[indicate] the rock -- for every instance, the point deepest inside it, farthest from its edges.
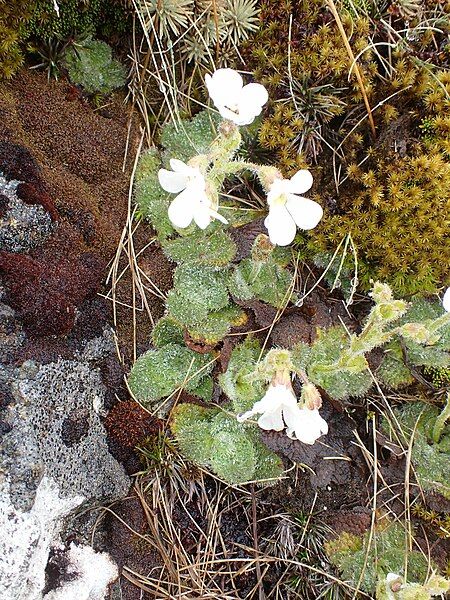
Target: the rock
(23, 225)
(55, 458)
(27, 537)
(89, 575)
(56, 428)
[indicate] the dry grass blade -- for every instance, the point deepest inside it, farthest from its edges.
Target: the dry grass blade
(359, 77)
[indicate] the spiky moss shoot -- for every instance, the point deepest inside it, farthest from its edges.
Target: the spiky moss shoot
(212, 247)
(158, 373)
(439, 521)
(14, 19)
(237, 382)
(357, 562)
(439, 376)
(93, 66)
(167, 331)
(327, 349)
(215, 440)
(397, 188)
(313, 74)
(429, 458)
(401, 203)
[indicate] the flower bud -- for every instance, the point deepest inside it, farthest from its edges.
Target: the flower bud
(262, 248)
(310, 397)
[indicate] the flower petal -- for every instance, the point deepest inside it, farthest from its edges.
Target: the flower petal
(278, 187)
(252, 98)
(301, 182)
(180, 167)
(172, 182)
(224, 87)
(181, 210)
(446, 300)
(305, 212)
(231, 115)
(202, 215)
(253, 95)
(307, 425)
(218, 216)
(280, 225)
(272, 420)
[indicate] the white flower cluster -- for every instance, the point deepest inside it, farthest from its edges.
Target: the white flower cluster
(280, 411)
(288, 209)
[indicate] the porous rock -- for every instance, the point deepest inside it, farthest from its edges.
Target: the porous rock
(55, 459)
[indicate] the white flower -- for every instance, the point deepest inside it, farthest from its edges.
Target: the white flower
(446, 300)
(193, 201)
(287, 209)
(277, 404)
(306, 426)
(279, 410)
(235, 101)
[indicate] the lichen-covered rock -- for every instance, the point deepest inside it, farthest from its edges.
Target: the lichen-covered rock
(56, 429)
(54, 458)
(23, 226)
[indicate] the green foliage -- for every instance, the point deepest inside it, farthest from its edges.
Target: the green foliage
(434, 586)
(217, 324)
(386, 554)
(197, 291)
(36, 26)
(237, 383)
(157, 373)
(182, 140)
(339, 382)
(215, 440)
(393, 371)
(106, 17)
(430, 458)
(212, 247)
(186, 138)
(262, 276)
(200, 302)
(167, 331)
(92, 66)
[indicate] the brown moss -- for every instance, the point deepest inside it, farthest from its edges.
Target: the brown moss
(80, 153)
(46, 294)
(129, 424)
